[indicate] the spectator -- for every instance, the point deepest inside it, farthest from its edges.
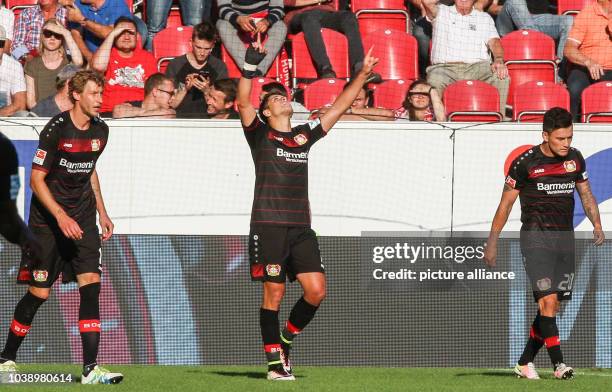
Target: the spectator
(7, 20)
(29, 25)
(125, 66)
(422, 103)
(195, 71)
(359, 109)
(300, 113)
(243, 20)
(310, 16)
(533, 15)
(220, 100)
(12, 83)
(42, 70)
(193, 12)
(589, 49)
(462, 38)
(91, 21)
(159, 92)
(60, 101)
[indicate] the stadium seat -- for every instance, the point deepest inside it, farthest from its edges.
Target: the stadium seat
(337, 50)
(397, 52)
(19, 5)
(597, 103)
(381, 14)
(391, 93)
(235, 73)
(472, 100)
(571, 7)
(529, 55)
(322, 92)
(169, 43)
(533, 98)
(257, 85)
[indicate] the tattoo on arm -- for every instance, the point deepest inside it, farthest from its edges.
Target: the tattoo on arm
(589, 203)
(508, 188)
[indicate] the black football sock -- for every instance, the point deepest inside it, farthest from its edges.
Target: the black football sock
(89, 324)
(301, 314)
(534, 343)
(22, 320)
(550, 334)
(270, 334)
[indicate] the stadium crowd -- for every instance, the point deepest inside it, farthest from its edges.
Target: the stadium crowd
(43, 43)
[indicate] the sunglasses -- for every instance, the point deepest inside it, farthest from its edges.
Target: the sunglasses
(418, 94)
(170, 93)
(49, 34)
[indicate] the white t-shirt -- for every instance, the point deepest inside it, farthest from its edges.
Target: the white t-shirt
(7, 20)
(461, 38)
(12, 79)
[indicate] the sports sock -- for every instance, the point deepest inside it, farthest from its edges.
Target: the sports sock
(550, 334)
(20, 326)
(89, 324)
(534, 343)
(268, 322)
(301, 314)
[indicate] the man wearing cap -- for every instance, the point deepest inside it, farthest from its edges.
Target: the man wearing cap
(60, 102)
(12, 83)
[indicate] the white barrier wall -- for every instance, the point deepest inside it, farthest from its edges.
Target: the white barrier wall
(196, 177)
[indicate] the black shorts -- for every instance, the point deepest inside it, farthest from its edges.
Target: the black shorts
(277, 252)
(550, 271)
(61, 255)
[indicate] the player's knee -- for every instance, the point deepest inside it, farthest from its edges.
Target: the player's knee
(315, 296)
(40, 293)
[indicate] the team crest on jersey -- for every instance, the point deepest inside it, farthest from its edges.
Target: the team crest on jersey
(511, 181)
(544, 284)
(300, 139)
(273, 269)
(95, 144)
(39, 157)
(570, 166)
(40, 275)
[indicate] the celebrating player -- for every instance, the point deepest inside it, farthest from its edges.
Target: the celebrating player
(545, 177)
(281, 242)
(66, 195)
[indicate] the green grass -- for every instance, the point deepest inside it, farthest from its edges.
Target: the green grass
(249, 378)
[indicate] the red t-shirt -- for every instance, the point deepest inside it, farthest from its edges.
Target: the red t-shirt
(125, 78)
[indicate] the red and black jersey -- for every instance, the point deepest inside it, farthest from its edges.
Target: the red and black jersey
(546, 187)
(9, 177)
(281, 172)
(68, 155)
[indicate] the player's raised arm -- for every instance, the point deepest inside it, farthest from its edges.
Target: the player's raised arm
(254, 55)
(346, 98)
(508, 198)
(591, 210)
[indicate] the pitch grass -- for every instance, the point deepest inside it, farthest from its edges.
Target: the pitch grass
(250, 378)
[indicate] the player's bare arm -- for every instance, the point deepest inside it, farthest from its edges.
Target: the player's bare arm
(69, 227)
(591, 210)
(504, 208)
(345, 100)
(255, 54)
(105, 221)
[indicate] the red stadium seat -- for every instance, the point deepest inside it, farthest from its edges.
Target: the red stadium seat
(337, 50)
(529, 55)
(533, 98)
(571, 7)
(391, 93)
(234, 72)
(397, 52)
(258, 84)
(322, 92)
(19, 5)
(171, 42)
(597, 103)
(381, 14)
(472, 100)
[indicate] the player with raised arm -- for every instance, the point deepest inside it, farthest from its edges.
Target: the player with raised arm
(544, 177)
(66, 196)
(281, 243)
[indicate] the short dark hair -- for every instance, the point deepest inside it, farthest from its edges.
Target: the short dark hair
(276, 87)
(556, 118)
(227, 87)
(155, 81)
(206, 31)
(265, 102)
(123, 19)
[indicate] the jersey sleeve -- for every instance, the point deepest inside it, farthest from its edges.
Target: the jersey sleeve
(9, 176)
(314, 130)
(582, 174)
(47, 148)
(250, 131)
(517, 175)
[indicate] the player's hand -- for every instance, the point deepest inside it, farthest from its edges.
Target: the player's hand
(30, 247)
(595, 69)
(69, 227)
(598, 237)
(499, 68)
(262, 26)
(369, 62)
(107, 227)
(490, 254)
(246, 23)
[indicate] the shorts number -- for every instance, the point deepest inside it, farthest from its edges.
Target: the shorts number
(566, 285)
